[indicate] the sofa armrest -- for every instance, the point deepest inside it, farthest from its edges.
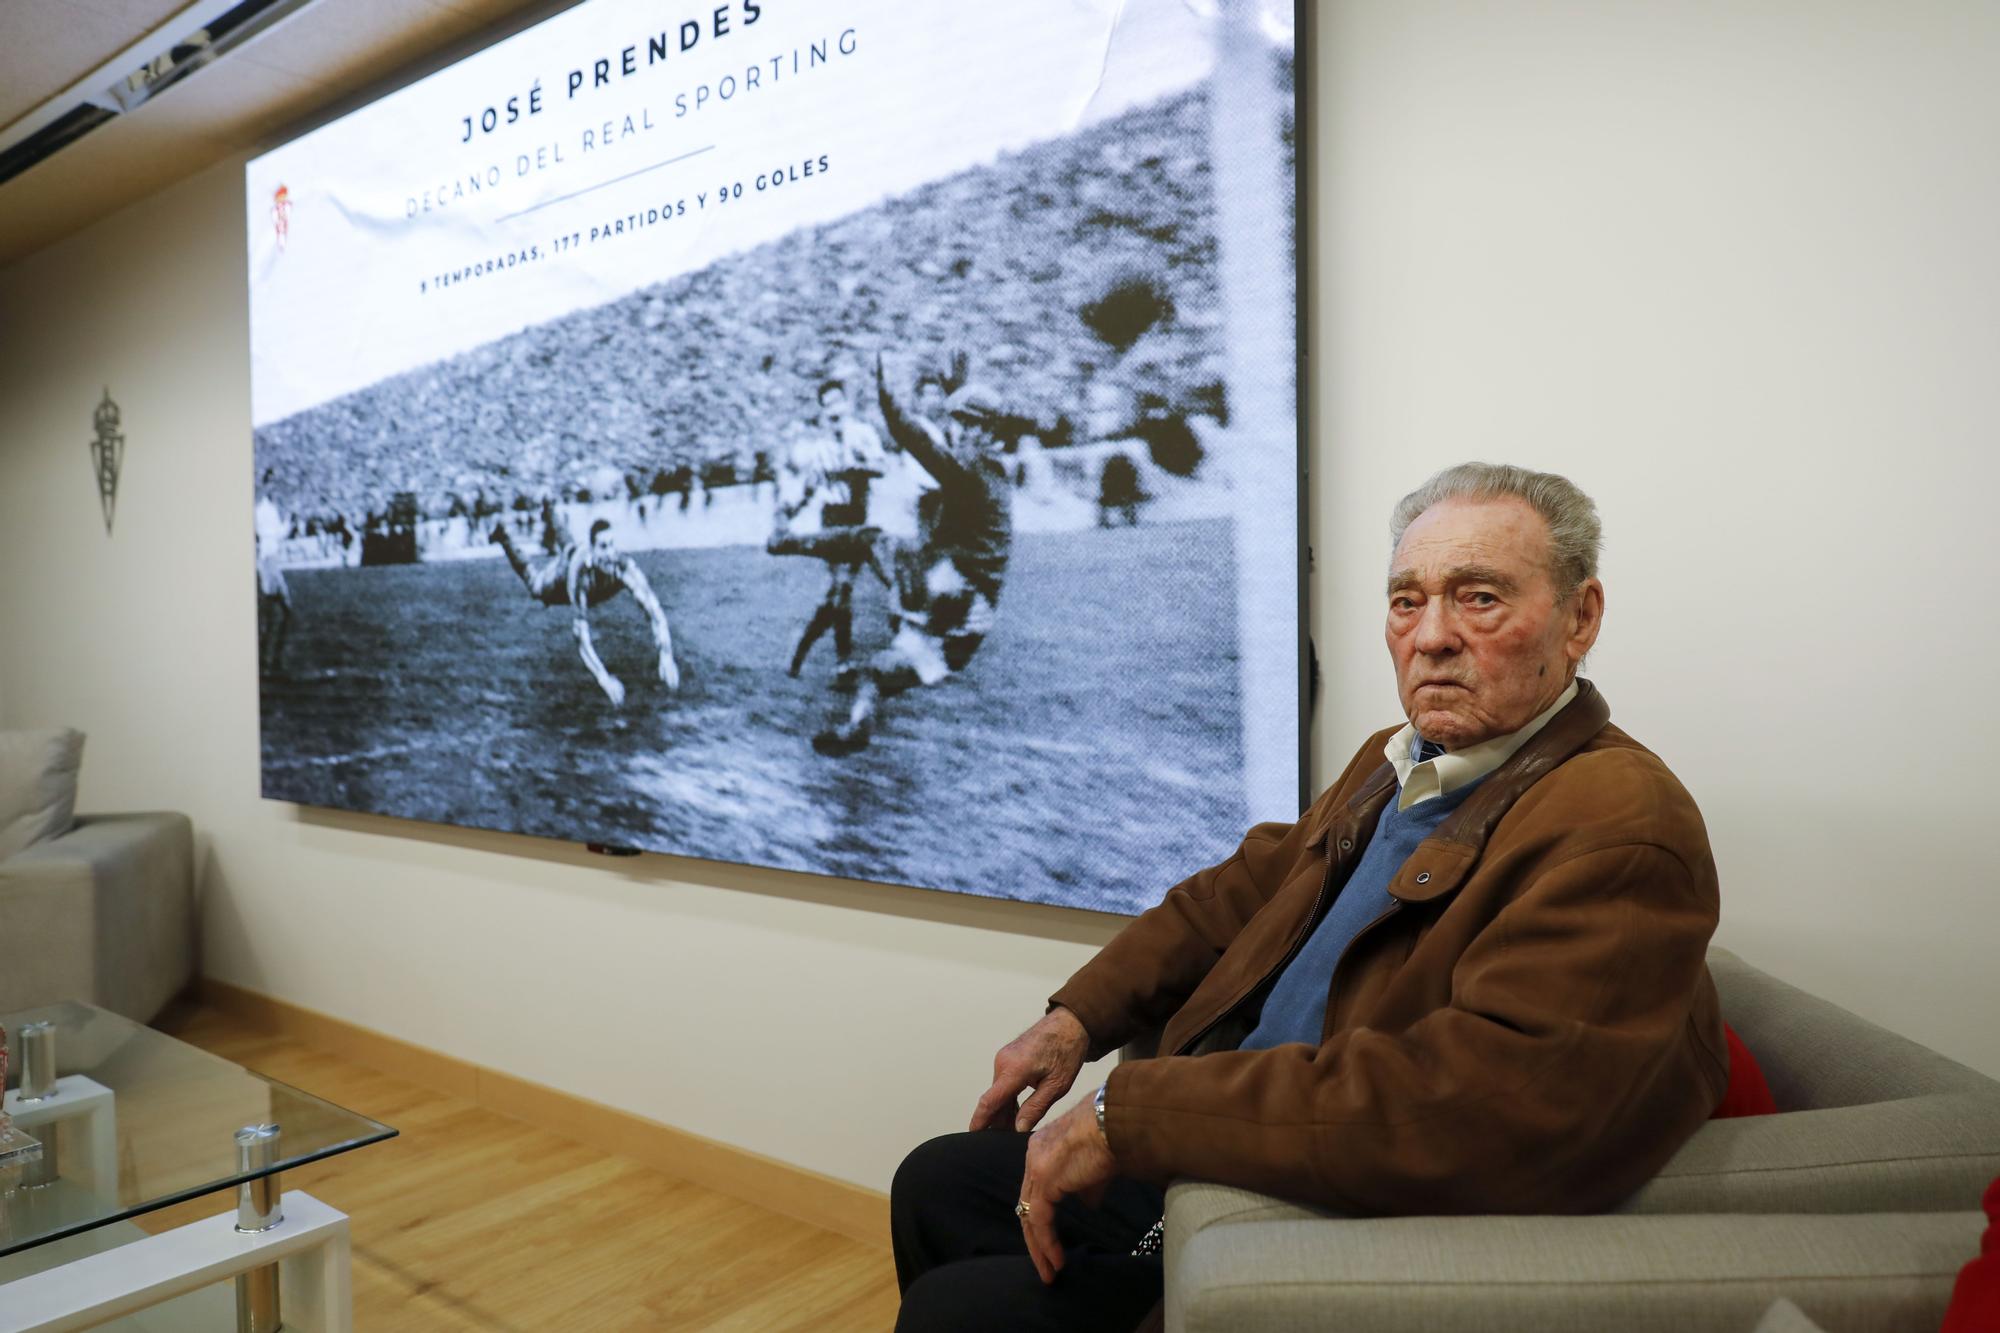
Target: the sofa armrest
(1929, 1153)
(1195, 1205)
(104, 913)
(1649, 1274)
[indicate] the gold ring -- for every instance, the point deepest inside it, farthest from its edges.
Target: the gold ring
(1021, 1210)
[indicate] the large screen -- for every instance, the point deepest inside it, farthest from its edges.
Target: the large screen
(852, 436)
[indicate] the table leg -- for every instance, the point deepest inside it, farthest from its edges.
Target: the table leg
(259, 1208)
(38, 1083)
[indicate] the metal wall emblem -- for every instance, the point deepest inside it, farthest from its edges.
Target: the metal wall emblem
(107, 453)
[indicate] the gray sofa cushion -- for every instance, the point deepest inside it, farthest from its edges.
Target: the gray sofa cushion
(38, 771)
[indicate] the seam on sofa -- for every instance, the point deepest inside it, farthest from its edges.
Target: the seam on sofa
(1688, 1280)
(1969, 1155)
(1264, 1213)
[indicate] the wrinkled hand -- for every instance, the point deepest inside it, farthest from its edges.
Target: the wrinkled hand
(1046, 1058)
(670, 675)
(1066, 1156)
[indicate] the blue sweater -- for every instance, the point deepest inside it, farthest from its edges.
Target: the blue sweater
(1296, 1008)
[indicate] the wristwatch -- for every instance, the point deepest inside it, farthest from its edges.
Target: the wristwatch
(1098, 1103)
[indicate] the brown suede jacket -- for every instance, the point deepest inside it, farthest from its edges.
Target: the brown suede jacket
(1530, 1029)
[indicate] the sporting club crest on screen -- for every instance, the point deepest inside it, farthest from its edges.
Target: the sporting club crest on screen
(855, 438)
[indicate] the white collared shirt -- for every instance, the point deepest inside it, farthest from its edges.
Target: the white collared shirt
(1448, 772)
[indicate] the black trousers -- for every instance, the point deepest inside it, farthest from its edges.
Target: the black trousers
(963, 1265)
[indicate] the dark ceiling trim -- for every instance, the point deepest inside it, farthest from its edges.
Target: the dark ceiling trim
(191, 52)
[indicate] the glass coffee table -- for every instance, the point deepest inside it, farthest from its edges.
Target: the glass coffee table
(111, 1120)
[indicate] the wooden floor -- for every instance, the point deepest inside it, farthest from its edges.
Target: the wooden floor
(470, 1220)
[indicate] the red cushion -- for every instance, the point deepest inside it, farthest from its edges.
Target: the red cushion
(1975, 1301)
(1748, 1093)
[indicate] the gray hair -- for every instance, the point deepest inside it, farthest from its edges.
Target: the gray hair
(1574, 532)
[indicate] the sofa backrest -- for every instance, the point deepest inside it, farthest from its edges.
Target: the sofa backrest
(1815, 1054)
(1868, 1121)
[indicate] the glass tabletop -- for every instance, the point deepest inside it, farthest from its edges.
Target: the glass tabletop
(137, 1120)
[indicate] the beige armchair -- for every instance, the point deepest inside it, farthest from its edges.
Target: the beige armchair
(1859, 1203)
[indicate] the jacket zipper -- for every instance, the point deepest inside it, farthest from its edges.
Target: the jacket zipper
(1298, 942)
(1395, 906)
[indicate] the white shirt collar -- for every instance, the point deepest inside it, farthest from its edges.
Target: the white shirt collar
(1448, 772)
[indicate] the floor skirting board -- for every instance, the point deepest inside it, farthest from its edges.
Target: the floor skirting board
(821, 1200)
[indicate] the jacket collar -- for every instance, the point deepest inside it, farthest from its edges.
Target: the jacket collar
(1442, 860)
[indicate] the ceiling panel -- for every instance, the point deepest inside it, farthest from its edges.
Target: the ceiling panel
(352, 43)
(138, 16)
(45, 47)
(244, 101)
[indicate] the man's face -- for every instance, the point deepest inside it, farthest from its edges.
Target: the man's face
(930, 399)
(1107, 410)
(971, 430)
(833, 409)
(603, 550)
(1480, 641)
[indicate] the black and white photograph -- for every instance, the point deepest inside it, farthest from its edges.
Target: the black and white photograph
(858, 440)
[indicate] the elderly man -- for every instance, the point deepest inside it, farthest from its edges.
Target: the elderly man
(1469, 979)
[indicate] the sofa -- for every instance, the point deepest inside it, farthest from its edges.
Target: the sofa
(1851, 1210)
(99, 908)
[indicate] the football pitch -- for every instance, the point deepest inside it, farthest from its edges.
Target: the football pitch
(1090, 754)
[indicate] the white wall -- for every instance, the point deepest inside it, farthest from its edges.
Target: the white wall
(1731, 267)
(1726, 265)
